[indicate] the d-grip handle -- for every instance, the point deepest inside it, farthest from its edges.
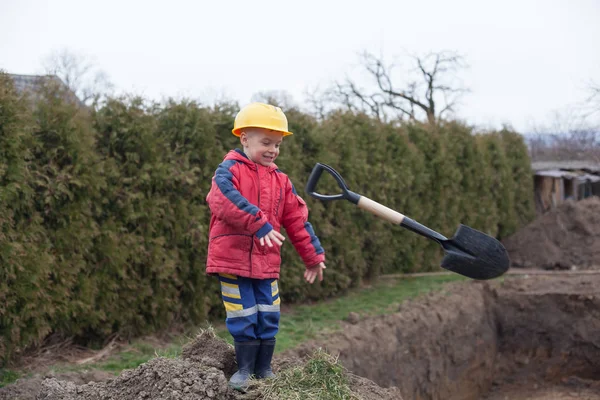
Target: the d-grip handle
(314, 178)
(367, 204)
(361, 201)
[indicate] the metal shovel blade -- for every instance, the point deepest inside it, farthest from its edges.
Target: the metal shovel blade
(474, 254)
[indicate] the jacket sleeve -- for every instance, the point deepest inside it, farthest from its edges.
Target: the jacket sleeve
(227, 203)
(299, 230)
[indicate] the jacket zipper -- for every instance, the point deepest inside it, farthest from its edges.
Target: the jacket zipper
(251, 250)
(258, 205)
(258, 175)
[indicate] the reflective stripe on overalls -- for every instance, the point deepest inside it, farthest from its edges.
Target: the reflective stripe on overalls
(252, 307)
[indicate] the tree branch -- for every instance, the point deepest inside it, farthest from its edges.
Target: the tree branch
(420, 93)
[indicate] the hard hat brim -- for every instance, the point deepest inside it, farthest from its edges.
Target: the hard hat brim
(238, 131)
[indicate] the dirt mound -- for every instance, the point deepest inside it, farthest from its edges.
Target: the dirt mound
(159, 378)
(300, 375)
(211, 352)
(564, 238)
(199, 374)
(202, 372)
(28, 388)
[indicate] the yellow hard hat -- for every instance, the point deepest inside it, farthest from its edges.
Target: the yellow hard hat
(260, 115)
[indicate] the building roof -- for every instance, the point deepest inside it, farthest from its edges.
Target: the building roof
(580, 177)
(556, 173)
(573, 165)
(588, 177)
(29, 84)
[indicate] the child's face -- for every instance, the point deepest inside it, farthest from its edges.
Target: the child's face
(261, 145)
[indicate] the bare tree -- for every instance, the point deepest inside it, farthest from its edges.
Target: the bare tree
(570, 136)
(278, 98)
(317, 101)
(431, 81)
(578, 145)
(594, 98)
(79, 73)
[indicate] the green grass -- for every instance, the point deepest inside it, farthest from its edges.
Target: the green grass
(135, 355)
(8, 376)
(322, 377)
(138, 354)
(309, 322)
(303, 323)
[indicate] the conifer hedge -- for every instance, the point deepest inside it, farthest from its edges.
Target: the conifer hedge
(104, 220)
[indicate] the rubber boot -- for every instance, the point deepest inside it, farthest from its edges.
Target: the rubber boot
(263, 360)
(245, 355)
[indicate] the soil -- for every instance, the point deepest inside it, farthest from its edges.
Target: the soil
(523, 339)
(567, 237)
(28, 388)
(526, 337)
(533, 391)
(549, 343)
(438, 346)
(202, 372)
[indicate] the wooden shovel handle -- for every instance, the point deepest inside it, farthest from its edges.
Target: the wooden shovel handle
(380, 210)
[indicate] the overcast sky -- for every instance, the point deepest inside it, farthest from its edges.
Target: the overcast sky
(527, 59)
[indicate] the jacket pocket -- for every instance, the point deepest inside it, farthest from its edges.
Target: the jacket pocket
(231, 246)
(302, 207)
(301, 200)
(273, 259)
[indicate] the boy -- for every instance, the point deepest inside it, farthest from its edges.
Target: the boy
(250, 200)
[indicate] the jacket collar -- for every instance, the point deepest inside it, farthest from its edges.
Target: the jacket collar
(240, 156)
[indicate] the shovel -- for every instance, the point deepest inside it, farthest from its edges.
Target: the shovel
(470, 252)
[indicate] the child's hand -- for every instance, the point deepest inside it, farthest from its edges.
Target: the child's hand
(272, 236)
(311, 273)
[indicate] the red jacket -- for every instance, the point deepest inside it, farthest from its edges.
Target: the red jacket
(247, 200)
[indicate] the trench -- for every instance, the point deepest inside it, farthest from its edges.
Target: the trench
(525, 339)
